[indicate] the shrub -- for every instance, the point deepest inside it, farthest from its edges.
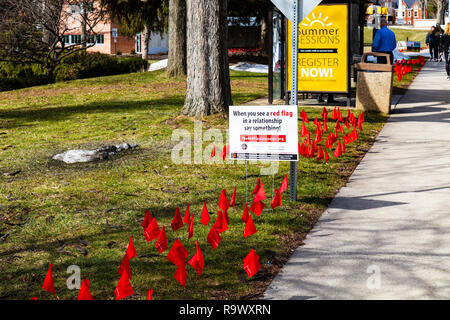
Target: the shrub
(16, 76)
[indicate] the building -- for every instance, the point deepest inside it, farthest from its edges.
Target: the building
(108, 39)
(407, 11)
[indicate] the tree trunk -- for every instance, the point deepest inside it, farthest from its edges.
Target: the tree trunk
(145, 37)
(208, 76)
(177, 38)
(265, 34)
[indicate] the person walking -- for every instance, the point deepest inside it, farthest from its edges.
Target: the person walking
(384, 41)
(438, 34)
(445, 45)
(430, 40)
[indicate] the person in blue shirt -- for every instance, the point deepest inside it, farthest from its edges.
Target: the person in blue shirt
(384, 40)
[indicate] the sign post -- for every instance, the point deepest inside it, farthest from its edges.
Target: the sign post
(295, 11)
(294, 90)
(114, 32)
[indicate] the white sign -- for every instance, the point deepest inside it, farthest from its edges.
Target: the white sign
(287, 7)
(114, 32)
(263, 133)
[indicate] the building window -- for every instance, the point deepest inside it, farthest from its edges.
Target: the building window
(409, 14)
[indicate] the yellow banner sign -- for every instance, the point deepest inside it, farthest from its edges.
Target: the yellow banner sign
(323, 50)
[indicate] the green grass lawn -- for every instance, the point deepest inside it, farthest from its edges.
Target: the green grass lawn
(47, 207)
(400, 35)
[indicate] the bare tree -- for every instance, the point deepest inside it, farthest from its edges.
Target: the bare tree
(35, 31)
(208, 77)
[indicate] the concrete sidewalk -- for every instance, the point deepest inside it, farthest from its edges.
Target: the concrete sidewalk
(386, 235)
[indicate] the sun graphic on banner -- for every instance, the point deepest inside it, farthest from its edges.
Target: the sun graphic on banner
(315, 20)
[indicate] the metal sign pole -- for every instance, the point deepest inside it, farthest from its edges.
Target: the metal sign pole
(294, 87)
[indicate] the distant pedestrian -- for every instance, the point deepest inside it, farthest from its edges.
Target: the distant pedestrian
(445, 45)
(430, 41)
(384, 41)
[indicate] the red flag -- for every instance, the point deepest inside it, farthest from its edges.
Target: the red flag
(223, 153)
(251, 263)
(315, 121)
(161, 242)
(258, 184)
(318, 136)
(178, 253)
(125, 266)
(304, 131)
(197, 262)
(177, 222)
(304, 116)
(276, 201)
(223, 201)
(131, 251)
(187, 215)
(48, 284)
(147, 219)
(213, 237)
(233, 198)
(33, 298)
(181, 274)
(221, 222)
(123, 288)
(320, 154)
(245, 214)
(338, 151)
(334, 115)
(249, 227)
(347, 139)
(329, 142)
(343, 148)
(84, 293)
(257, 207)
(325, 126)
(191, 227)
(261, 194)
(149, 294)
(205, 215)
(360, 122)
(152, 231)
(326, 157)
(324, 114)
(213, 152)
(354, 135)
(284, 184)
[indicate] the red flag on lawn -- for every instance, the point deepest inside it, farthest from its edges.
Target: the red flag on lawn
(125, 266)
(48, 284)
(304, 131)
(261, 194)
(326, 157)
(177, 221)
(161, 242)
(347, 139)
(131, 251)
(152, 231)
(191, 227)
(320, 154)
(276, 201)
(245, 214)
(223, 153)
(178, 253)
(257, 207)
(213, 237)
(338, 151)
(223, 201)
(249, 227)
(233, 198)
(213, 152)
(181, 274)
(304, 116)
(84, 293)
(258, 184)
(123, 288)
(205, 215)
(221, 222)
(284, 184)
(324, 114)
(197, 262)
(149, 294)
(147, 219)
(354, 135)
(251, 263)
(187, 215)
